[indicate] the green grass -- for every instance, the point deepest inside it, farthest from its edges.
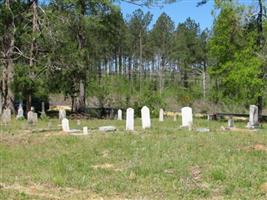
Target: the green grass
(164, 162)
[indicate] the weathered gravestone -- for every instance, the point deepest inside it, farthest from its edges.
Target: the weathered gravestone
(107, 128)
(32, 117)
(6, 116)
(145, 114)
(161, 115)
(20, 114)
(187, 117)
(43, 114)
(230, 122)
(253, 117)
(65, 125)
(61, 114)
(119, 114)
(130, 119)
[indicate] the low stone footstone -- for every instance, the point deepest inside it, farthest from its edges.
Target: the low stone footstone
(230, 123)
(119, 114)
(20, 114)
(187, 117)
(145, 114)
(61, 114)
(161, 115)
(85, 130)
(203, 130)
(6, 116)
(253, 117)
(130, 119)
(107, 128)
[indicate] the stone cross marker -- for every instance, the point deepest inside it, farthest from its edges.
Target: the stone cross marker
(61, 114)
(6, 116)
(130, 119)
(119, 114)
(253, 117)
(145, 114)
(65, 125)
(187, 117)
(161, 115)
(20, 112)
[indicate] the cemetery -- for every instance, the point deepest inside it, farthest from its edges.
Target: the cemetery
(133, 99)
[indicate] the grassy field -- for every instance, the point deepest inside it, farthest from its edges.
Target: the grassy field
(164, 162)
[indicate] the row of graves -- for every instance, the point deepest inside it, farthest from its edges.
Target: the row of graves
(186, 114)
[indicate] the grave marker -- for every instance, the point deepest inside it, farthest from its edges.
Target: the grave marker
(187, 117)
(145, 114)
(130, 119)
(161, 115)
(119, 114)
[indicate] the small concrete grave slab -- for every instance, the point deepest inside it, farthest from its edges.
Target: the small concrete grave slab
(107, 128)
(161, 115)
(130, 119)
(20, 114)
(145, 115)
(187, 117)
(253, 117)
(203, 130)
(119, 114)
(6, 116)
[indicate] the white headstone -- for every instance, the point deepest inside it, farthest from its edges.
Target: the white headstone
(85, 130)
(32, 117)
(119, 114)
(61, 114)
(187, 117)
(253, 117)
(20, 112)
(130, 119)
(145, 114)
(65, 125)
(6, 116)
(161, 115)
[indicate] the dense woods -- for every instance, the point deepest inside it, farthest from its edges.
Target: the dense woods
(84, 49)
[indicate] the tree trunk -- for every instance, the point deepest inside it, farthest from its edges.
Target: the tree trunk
(8, 46)
(204, 76)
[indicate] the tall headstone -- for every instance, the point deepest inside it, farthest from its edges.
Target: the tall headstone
(187, 117)
(65, 125)
(6, 116)
(161, 115)
(253, 117)
(145, 114)
(43, 114)
(130, 119)
(119, 114)
(20, 112)
(61, 114)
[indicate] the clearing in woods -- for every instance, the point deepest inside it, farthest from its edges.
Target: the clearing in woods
(164, 162)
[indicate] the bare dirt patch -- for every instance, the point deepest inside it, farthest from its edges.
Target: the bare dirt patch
(107, 166)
